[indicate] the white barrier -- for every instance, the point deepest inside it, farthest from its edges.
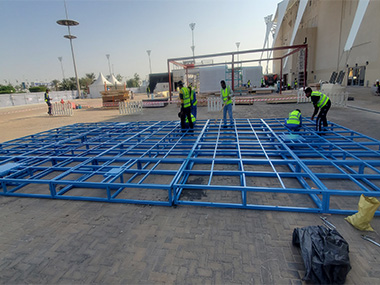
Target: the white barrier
(301, 98)
(337, 99)
(62, 109)
(214, 104)
(130, 107)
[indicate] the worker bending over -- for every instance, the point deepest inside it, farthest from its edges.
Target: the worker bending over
(322, 102)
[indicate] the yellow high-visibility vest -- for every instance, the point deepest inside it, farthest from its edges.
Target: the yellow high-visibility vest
(225, 93)
(186, 97)
(294, 118)
(322, 98)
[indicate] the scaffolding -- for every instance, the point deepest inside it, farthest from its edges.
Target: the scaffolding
(256, 164)
(189, 63)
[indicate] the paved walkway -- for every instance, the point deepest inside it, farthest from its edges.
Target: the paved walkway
(68, 242)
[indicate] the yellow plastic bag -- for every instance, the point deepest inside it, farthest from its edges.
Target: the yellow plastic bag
(367, 208)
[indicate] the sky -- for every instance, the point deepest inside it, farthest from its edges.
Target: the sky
(32, 41)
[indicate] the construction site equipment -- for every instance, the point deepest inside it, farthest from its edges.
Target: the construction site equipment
(367, 207)
(370, 240)
(111, 98)
(236, 64)
(256, 164)
(130, 107)
(325, 254)
(327, 223)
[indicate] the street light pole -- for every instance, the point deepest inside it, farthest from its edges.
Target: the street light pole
(150, 65)
(237, 46)
(192, 26)
(109, 65)
(63, 73)
(70, 23)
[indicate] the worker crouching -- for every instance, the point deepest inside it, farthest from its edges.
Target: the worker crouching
(294, 122)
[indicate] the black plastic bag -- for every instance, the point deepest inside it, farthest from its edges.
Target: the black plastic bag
(325, 254)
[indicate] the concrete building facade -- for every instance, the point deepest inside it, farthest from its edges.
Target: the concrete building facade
(342, 37)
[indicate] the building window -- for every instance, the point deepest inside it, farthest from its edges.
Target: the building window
(356, 76)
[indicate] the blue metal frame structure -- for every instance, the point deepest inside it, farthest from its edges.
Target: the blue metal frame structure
(256, 164)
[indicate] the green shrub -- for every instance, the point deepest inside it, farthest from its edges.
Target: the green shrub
(37, 89)
(6, 89)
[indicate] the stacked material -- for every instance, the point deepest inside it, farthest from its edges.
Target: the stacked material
(111, 98)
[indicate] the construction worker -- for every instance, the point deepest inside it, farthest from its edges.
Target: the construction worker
(377, 86)
(184, 95)
(262, 82)
(147, 91)
(249, 83)
(295, 83)
(322, 102)
(294, 122)
(193, 99)
(47, 100)
(193, 120)
(226, 94)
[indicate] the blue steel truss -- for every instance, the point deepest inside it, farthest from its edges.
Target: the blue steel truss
(256, 164)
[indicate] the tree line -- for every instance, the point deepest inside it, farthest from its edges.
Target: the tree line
(68, 84)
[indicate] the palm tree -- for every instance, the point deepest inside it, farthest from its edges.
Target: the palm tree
(55, 82)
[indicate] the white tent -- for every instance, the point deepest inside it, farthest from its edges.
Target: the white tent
(114, 81)
(98, 86)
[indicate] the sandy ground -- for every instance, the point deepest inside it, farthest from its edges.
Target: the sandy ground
(16, 122)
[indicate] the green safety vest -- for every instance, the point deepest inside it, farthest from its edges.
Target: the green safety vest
(294, 118)
(186, 97)
(46, 97)
(193, 119)
(192, 98)
(225, 93)
(323, 99)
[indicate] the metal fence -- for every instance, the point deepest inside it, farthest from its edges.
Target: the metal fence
(20, 99)
(130, 107)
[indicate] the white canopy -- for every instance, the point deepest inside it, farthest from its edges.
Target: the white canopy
(114, 81)
(98, 86)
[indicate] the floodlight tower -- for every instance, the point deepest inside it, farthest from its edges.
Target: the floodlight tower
(237, 46)
(150, 65)
(109, 65)
(271, 27)
(192, 26)
(63, 73)
(68, 23)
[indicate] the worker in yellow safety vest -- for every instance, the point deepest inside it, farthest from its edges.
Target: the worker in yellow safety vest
(193, 120)
(193, 99)
(294, 122)
(321, 102)
(184, 95)
(47, 100)
(226, 94)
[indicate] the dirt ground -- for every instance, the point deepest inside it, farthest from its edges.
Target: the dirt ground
(70, 242)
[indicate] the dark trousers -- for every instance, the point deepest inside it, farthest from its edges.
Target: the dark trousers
(49, 107)
(186, 112)
(322, 117)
